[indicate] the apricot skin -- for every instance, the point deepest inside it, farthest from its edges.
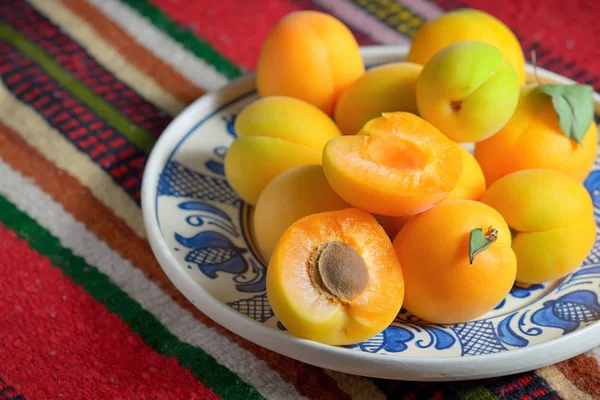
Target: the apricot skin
(552, 218)
(274, 134)
(311, 314)
(292, 195)
(388, 88)
(468, 91)
(441, 285)
(532, 139)
(468, 24)
(311, 56)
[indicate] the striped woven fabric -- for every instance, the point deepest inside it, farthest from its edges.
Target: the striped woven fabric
(86, 88)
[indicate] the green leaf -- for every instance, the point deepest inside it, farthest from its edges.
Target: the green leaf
(575, 108)
(478, 241)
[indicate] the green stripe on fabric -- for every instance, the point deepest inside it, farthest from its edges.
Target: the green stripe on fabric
(471, 391)
(393, 14)
(185, 37)
(215, 376)
(138, 136)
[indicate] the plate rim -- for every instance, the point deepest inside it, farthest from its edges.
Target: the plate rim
(318, 354)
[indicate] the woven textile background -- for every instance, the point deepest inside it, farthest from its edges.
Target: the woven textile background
(86, 88)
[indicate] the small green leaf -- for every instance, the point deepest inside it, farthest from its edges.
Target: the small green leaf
(478, 241)
(574, 106)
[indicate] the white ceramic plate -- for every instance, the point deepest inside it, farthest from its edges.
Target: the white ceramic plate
(198, 230)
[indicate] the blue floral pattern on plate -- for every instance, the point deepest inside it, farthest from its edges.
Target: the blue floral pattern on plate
(207, 227)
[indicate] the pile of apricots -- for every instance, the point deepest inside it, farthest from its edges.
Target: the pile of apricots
(365, 198)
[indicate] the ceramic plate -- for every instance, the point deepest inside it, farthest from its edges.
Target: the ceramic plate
(199, 231)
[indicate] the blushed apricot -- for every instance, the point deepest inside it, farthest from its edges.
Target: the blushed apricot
(532, 139)
(334, 278)
(275, 134)
(292, 195)
(442, 284)
(311, 56)
(397, 165)
(466, 24)
(551, 218)
(388, 88)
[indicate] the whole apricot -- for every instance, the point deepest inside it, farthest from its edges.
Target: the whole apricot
(388, 88)
(470, 186)
(275, 134)
(533, 139)
(551, 218)
(311, 56)
(466, 24)
(294, 194)
(334, 278)
(397, 165)
(446, 280)
(468, 91)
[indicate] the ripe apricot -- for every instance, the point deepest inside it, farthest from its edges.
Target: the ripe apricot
(467, 24)
(309, 55)
(275, 134)
(334, 278)
(442, 285)
(388, 88)
(397, 165)
(532, 139)
(296, 193)
(551, 218)
(470, 186)
(468, 91)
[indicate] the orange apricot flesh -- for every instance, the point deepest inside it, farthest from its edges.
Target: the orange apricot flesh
(334, 278)
(397, 165)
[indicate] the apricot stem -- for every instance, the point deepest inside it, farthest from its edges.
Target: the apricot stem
(338, 270)
(456, 105)
(479, 241)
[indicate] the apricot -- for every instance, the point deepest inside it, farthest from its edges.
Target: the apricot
(334, 278)
(397, 165)
(275, 134)
(532, 139)
(296, 193)
(388, 88)
(467, 24)
(468, 91)
(444, 282)
(311, 56)
(551, 218)
(470, 186)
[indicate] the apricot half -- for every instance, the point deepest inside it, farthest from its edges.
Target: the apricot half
(334, 278)
(444, 284)
(397, 165)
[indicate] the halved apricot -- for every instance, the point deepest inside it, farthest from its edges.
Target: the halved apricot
(334, 278)
(398, 164)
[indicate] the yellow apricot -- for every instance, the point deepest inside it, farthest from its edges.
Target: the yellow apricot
(471, 184)
(532, 139)
(466, 24)
(311, 56)
(292, 195)
(275, 134)
(551, 217)
(388, 88)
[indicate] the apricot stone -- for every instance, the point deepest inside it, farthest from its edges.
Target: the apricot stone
(311, 56)
(551, 217)
(467, 24)
(468, 91)
(275, 134)
(388, 88)
(292, 195)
